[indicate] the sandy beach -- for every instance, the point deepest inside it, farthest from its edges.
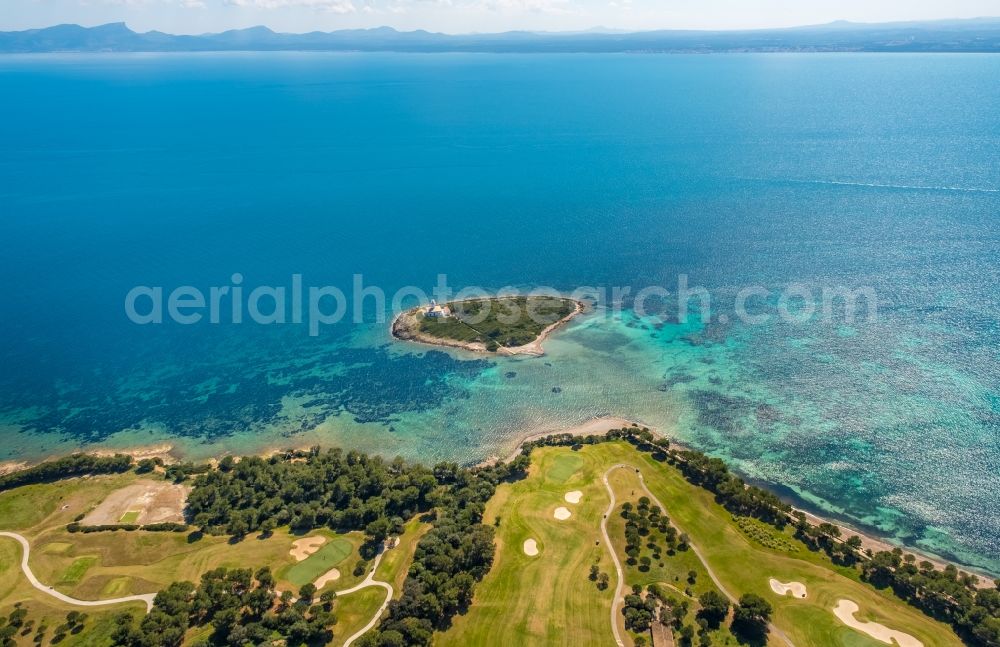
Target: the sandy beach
(164, 452)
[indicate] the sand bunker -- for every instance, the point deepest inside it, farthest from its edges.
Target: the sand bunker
(331, 575)
(530, 547)
(574, 496)
(797, 589)
(562, 514)
(303, 548)
(845, 611)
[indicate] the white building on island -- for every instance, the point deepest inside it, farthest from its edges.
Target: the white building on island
(436, 311)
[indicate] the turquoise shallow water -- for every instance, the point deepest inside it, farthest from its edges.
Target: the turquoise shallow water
(858, 171)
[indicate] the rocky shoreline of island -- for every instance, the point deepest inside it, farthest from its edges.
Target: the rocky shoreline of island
(405, 326)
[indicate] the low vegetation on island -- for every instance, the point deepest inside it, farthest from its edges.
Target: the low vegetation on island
(533, 546)
(516, 323)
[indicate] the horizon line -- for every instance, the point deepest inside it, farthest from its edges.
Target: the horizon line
(597, 30)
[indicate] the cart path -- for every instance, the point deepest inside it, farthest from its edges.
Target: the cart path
(694, 549)
(146, 598)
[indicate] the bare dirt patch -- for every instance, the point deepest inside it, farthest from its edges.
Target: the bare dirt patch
(302, 548)
(154, 501)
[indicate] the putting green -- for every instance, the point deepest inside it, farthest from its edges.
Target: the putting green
(563, 466)
(329, 555)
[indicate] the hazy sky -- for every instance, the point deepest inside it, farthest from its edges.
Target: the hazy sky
(195, 16)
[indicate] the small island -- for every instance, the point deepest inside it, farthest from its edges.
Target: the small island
(515, 325)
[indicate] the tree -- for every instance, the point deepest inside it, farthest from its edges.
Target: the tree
(307, 591)
(594, 572)
(714, 608)
(751, 616)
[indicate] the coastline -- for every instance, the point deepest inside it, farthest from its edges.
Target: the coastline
(599, 426)
(403, 328)
(869, 541)
(163, 451)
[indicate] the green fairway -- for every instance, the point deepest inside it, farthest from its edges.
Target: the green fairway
(669, 570)
(76, 570)
(745, 565)
(354, 611)
(329, 555)
(549, 599)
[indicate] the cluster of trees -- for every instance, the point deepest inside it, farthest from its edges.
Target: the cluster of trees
(672, 612)
(165, 526)
(18, 622)
(730, 490)
(639, 610)
(510, 321)
(353, 491)
(180, 472)
(714, 608)
(74, 465)
(449, 560)
(947, 595)
(750, 618)
(640, 521)
(599, 577)
(147, 465)
(107, 527)
(239, 605)
(343, 491)
(10, 625)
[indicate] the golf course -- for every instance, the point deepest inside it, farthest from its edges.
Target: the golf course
(587, 541)
(549, 598)
(116, 564)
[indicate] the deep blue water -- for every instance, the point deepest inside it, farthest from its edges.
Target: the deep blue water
(876, 171)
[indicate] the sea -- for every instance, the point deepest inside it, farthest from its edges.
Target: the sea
(755, 185)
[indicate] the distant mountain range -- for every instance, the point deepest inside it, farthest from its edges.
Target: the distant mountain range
(973, 35)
